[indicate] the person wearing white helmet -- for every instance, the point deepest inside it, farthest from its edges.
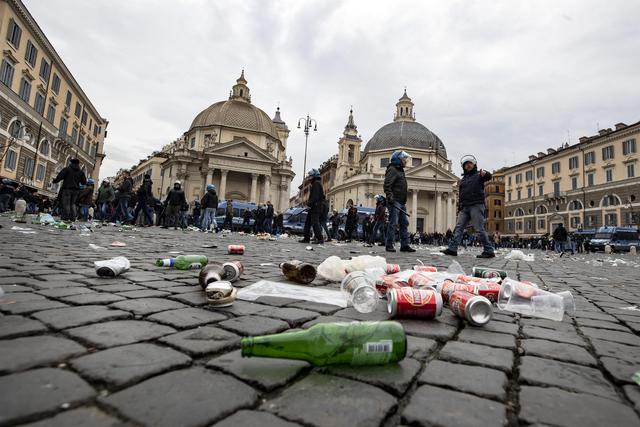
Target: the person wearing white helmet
(314, 204)
(174, 201)
(395, 190)
(471, 207)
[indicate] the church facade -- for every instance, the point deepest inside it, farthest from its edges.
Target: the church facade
(235, 146)
(357, 176)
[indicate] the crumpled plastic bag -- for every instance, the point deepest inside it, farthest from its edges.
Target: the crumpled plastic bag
(112, 267)
(265, 288)
(336, 269)
(518, 255)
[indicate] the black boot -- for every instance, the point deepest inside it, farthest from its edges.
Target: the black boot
(449, 252)
(486, 255)
(305, 240)
(390, 249)
(407, 249)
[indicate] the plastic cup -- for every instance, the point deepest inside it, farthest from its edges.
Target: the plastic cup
(360, 291)
(529, 300)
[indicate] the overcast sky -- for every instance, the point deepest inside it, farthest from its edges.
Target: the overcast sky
(499, 79)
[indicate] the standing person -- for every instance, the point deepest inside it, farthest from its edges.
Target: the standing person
(246, 220)
(6, 192)
(72, 177)
(145, 194)
(259, 222)
(123, 197)
(324, 217)
(560, 236)
(395, 189)
(210, 206)
(378, 225)
(351, 223)
(228, 216)
(105, 196)
(314, 204)
(279, 222)
(268, 218)
(335, 224)
(197, 212)
(471, 207)
(173, 203)
(85, 199)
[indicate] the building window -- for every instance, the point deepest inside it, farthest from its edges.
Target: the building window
(519, 194)
(45, 69)
(44, 148)
(384, 162)
(28, 167)
(40, 171)
(497, 202)
(628, 147)
(573, 162)
(592, 220)
(497, 188)
(14, 33)
(11, 160)
(509, 180)
(93, 150)
(631, 170)
(611, 219)
(192, 142)
(74, 135)
(55, 84)
(529, 224)
(610, 200)
(84, 118)
(67, 100)
(416, 161)
(556, 188)
(609, 175)
(607, 153)
(81, 142)
(541, 210)
(78, 109)
(31, 54)
(519, 225)
(51, 113)
(39, 103)
(25, 89)
(540, 172)
(590, 179)
(540, 189)
(541, 223)
(575, 205)
(574, 183)
(6, 73)
(589, 158)
(518, 178)
(63, 126)
(509, 196)
(555, 167)
(575, 222)
(529, 192)
(529, 176)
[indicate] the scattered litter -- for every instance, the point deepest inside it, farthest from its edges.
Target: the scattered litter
(264, 264)
(335, 269)
(518, 255)
(96, 247)
(636, 377)
(298, 271)
(632, 308)
(284, 290)
(309, 248)
(208, 246)
(175, 252)
(117, 244)
(112, 267)
(455, 268)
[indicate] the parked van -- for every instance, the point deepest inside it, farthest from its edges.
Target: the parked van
(619, 238)
(238, 211)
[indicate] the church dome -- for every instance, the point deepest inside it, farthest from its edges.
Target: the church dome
(405, 134)
(236, 112)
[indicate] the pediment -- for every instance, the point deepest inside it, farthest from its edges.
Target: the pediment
(238, 148)
(428, 170)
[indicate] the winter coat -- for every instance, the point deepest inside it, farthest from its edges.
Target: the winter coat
(86, 196)
(335, 220)
(210, 200)
(316, 196)
(269, 213)
(560, 234)
(395, 184)
(381, 210)
(472, 188)
(71, 177)
(324, 214)
(352, 217)
(176, 198)
(145, 192)
(125, 189)
(106, 194)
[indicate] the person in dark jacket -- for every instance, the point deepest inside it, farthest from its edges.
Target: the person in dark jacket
(268, 218)
(560, 236)
(145, 195)
(6, 193)
(246, 220)
(279, 223)
(395, 190)
(335, 224)
(106, 195)
(124, 196)
(228, 216)
(72, 177)
(314, 204)
(378, 225)
(324, 217)
(85, 200)
(471, 207)
(174, 202)
(351, 223)
(209, 205)
(259, 216)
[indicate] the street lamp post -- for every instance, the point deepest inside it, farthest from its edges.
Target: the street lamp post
(308, 123)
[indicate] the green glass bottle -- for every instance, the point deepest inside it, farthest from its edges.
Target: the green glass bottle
(355, 343)
(184, 262)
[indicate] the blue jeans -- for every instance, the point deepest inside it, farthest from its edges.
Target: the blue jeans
(104, 210)
(398, 218)
(266, 225)
(474, 215)
(84, 212)
(208, 218)
(123, 210)
(378, 226)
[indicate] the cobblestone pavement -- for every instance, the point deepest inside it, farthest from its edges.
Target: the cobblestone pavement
(144, 349)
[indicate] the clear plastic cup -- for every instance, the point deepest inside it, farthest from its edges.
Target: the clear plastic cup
(360, 291)
(529, 300)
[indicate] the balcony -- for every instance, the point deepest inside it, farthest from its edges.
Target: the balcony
(556, 195)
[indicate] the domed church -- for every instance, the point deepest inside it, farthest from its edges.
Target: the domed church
(236, 146)
(359, 175)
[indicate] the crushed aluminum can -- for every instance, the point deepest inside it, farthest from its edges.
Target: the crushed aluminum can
(235, 249)
(232, 270)
(488, 273)
(408, 302)
(418, 280)
(476, 309)
(220, 293)
(112, 267)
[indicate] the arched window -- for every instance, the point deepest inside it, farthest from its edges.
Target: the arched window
(610, 200)
(541, 210)
(575, 205)
(44, 147)
(519, 212)
(16, 129)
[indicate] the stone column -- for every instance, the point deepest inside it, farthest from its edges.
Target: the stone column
(448, 217)
(414, 211)
(284, 197)
(209, 177)
(267, 185)
(223, 184)
(254, 187)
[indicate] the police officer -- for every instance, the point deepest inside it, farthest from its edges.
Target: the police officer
(395, 189)
(314, 204)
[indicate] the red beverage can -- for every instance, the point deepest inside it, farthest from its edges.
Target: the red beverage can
(489, 290)
(448, 288)
(425, 268)
(419, 280)
(383, 286)
(236, 249)
(415, 303)
(393, 268)
(476, 309)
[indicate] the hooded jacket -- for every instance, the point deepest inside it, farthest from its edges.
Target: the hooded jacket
(316, 196)
(210, 200)
(71, 177)
(86, 196)
(145, 192)
(176, 197)
(395, 184)
(125, 189)
(472, 188)
(105, 194)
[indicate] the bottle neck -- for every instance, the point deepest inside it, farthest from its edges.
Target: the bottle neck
(290, 345)
(168, 262)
